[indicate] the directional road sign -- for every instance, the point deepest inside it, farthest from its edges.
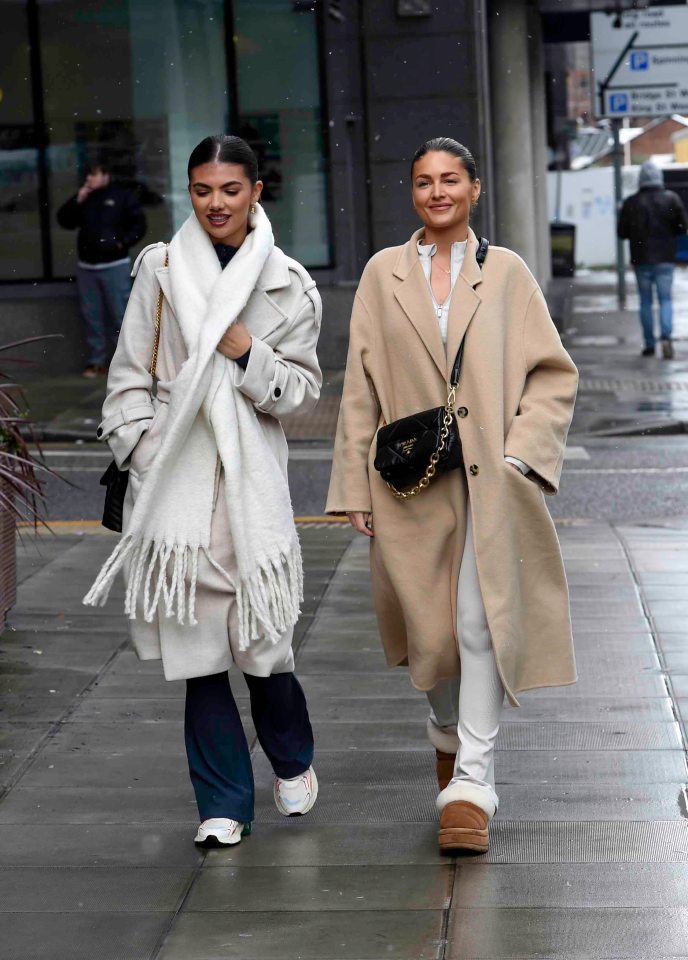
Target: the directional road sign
(641, 64)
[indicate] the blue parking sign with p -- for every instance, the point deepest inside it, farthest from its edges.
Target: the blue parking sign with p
(640, 60)
(618, 103)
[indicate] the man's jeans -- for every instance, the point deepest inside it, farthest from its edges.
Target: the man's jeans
(659, 275)
(103, 296)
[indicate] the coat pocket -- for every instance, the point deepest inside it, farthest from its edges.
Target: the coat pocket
(146, 449)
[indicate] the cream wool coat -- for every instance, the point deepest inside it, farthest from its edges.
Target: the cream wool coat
(283, 315)
(516, 397)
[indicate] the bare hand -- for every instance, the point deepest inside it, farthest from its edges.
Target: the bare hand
(236, 340)
(362, 523)
(83, 193)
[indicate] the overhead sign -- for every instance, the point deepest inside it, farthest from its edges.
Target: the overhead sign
(640, 62)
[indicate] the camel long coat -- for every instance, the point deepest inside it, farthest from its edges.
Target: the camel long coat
(516, 397)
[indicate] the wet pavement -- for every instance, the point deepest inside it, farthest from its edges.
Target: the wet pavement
(620, 391)
(589, 852)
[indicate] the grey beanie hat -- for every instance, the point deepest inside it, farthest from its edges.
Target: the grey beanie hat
(650, 175)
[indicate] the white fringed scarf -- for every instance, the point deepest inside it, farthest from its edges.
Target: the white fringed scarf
(209, 417)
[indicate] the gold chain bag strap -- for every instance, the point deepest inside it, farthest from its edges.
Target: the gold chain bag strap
(413, 450)
(115, 480)
(158, 323)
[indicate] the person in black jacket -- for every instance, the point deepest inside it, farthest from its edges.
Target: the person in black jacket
(110, 221)
(652, 219)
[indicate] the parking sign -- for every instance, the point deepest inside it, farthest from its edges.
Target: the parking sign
(640, 61)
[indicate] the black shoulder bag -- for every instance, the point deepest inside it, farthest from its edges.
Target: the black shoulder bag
(413, 450)
(115, 480)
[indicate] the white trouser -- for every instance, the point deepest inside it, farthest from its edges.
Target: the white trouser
(470, 705)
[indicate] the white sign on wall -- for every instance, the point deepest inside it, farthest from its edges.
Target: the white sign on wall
(640, 65)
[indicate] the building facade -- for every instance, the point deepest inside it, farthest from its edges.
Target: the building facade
(333, 96)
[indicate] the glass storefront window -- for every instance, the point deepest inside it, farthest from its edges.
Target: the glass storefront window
(20, 233)
(280, 115)
(138, 83)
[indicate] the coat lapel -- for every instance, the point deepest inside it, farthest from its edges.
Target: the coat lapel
(464, 302)
(414, 298)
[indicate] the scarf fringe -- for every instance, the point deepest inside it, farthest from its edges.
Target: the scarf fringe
(100, 591)
(166, 575)
(269, 602)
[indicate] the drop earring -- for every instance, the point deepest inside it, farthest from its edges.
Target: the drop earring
(252, 208)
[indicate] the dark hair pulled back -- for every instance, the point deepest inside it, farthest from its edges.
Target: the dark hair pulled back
(224, 148)
(448, 145)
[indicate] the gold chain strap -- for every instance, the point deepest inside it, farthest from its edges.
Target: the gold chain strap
(431, 470)
(158, 321)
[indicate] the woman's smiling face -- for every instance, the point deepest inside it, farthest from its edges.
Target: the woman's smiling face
(442, 191)
(221, 195)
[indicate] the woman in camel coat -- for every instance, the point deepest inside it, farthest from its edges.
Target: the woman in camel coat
(468, 576)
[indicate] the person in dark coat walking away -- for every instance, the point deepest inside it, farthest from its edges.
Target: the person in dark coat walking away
(652, 219)
(110, 221)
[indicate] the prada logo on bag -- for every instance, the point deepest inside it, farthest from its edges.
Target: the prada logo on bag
(406, 446)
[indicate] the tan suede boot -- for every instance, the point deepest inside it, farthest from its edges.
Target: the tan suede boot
(463, 826)
(445, 767)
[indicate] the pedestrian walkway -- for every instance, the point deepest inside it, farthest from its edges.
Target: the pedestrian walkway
(589, 854)
(620, 391)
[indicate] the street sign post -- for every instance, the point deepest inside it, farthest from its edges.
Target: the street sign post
(641, 66)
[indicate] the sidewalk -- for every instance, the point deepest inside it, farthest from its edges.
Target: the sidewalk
(589, 856)
(620, 391)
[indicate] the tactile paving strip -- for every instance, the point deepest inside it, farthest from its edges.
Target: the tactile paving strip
(659, 841)
(589, 736)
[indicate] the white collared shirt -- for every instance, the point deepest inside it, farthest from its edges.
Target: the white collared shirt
(426, 251)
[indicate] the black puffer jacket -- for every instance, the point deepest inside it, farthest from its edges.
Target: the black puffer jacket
(110, 221)
(652, 219)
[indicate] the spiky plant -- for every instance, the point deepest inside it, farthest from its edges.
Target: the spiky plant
(21, 470)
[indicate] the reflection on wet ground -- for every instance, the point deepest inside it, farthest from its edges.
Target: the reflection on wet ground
(621, 391)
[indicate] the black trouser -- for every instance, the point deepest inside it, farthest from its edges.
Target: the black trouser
(216, 746)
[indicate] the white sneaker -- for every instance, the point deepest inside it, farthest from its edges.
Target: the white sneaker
(221, 832)
(296, 796)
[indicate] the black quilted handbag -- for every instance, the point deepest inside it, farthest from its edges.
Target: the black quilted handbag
(413, 450)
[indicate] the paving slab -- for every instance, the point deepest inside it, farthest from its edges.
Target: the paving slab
(136, 803)
(675, 662)
(592, 801)
(339, 935)
(73, 844)
(589, 709)
(634, 933)
(307, 889)
(133, 710)
(83, 936)
(572, 885)
(85, 889)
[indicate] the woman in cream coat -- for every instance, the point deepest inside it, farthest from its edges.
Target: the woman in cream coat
(468, 580)
(210, 550)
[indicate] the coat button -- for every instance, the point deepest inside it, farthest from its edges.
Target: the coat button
(99, 432)
(462, 412)
(277, 393)
(474, 470)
